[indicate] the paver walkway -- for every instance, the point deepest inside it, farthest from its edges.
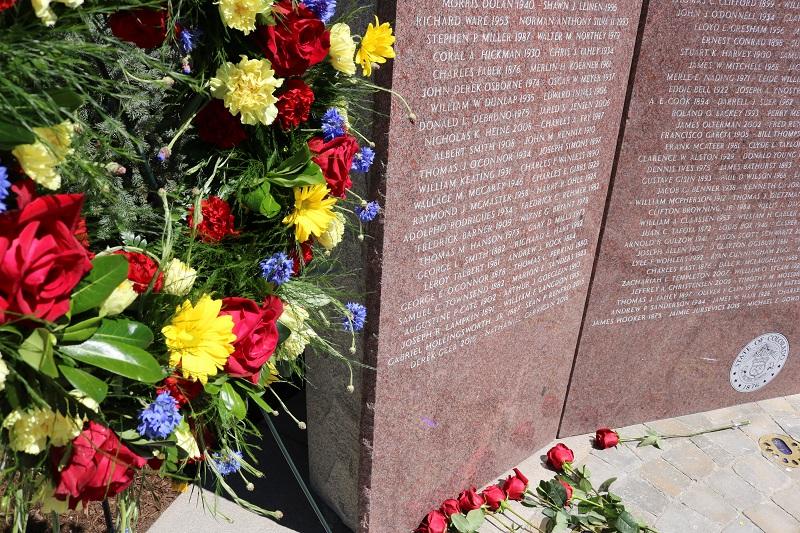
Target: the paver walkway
(706, 484)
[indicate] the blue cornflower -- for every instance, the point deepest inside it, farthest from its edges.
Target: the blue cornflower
(332, 124)
(363, 159)
(187, 39)
(324, 9)
(356, 317)
(228, 462)
(158, 420)
(278, 269)
(5, 185)
(368, 212)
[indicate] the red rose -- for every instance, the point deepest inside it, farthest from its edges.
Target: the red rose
(146, 28)
(215, 125)
(435, 522)
(515, 486)
(335, 158)
(297, 41)
(141, 271)
(469, 500)
(494, 496)
(568, 488)
(450, 506)
(558, 455)
(256, 333)
(99, 467)
(308, 255)
(606, 438)
(217, 220)
(41, 261)
(294, 103)
(182, 391)
(25, 191)
(7, 4)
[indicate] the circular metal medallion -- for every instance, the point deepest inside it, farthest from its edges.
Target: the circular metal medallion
(759, 362)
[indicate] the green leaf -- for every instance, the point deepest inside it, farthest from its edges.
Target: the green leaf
(626, 523)
(259, 401)
(585, 485)
(93, 387)
(461, 523)
(232, 401)
(66, 98)
(119, 358)
(475, 519)
(13, 134)
(108, 271)
(556, 493)
(124, 331)
(261, 200)
(650, 440)
(81, 331)
(37, 351)
(311, 174)
(606, 485)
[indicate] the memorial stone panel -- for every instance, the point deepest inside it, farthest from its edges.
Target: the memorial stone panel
(494, 196)
(696, 297)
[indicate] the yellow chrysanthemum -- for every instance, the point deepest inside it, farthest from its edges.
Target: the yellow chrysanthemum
(343, 48)
(376, 46)
(40, 159)
(313, 212)
(241, 14)
(333, 235)
(198, 339)
(45, 12)
(248, 89)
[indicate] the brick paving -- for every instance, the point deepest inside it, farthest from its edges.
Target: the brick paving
(711, 483)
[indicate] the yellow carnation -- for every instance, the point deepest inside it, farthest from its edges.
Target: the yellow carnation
(119, 299)
(343, 48)
(199, 339)
(248, 88)
(376, 46)
(3, 373)
(40, 159)
(241, 14)
(333, 235)
(313, 211)
(294, 318)
(29, 429)
(45, 12)
(64, 429)
(179, 278)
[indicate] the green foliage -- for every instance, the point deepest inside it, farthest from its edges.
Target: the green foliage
(119, 358)
(108, 271)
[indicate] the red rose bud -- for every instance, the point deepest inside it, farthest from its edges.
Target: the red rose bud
(558, 455)
(307, 252)
(296, 42)
(294, 103)
(450, 507)
(41, 260)
(494, 496)
(99, 467)
(515, 487)
(606, 438)
(435, 522)
(256, 333)
(215, 125)
(141, 270)
(146, 28)
(335, 158)
(568, 488)
(469, 500)
(521, 476)
(217, 220)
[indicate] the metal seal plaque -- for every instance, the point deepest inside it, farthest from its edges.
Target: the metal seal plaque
(759, 362)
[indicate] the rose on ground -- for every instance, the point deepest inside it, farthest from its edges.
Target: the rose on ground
(469, 500)
(99, 466)
(335, 158)
(296, 42)
(41, 260)
(516, 485)
(606, 438)
(494, 496)
(450, 506)
(256, 333)
(434, 522)
(559, 455)
(568, 488)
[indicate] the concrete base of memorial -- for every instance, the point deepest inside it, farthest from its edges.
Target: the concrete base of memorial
(718, 482)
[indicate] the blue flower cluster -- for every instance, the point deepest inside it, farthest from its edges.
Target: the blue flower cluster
(187, 39)
(5, 185)
(158, 420)
(356, 318)
(228, 462)
(277, 269)
(332, 124)
(368, 212)
(363, 159)
(324, 9)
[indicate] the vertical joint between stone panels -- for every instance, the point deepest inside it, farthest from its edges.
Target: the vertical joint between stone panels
(637, 46)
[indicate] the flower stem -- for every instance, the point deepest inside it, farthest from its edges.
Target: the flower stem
(523, 519)
(55, 521)
(494, 517)
(692, 434)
